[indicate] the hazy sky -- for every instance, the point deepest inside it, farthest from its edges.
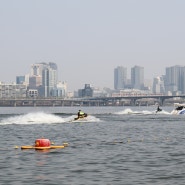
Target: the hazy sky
(87, 39)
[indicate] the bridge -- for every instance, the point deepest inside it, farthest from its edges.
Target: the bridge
(133, 99)
(89, 101)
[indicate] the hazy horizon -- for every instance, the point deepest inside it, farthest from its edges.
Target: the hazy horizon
(88, 39)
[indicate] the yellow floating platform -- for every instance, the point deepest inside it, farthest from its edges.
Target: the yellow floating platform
(54, 147)
(41, 148)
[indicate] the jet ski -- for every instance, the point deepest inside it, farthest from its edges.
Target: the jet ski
(158, 109)
(81, 117)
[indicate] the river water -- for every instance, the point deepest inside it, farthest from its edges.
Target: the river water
(115, 145)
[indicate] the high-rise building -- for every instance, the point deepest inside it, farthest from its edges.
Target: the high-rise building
(36, 69)
(44, 78)
(35, 81)
(49, 79)
(158, 85)
(120, 77)
(175, 79)
(137, 77)
(183, 80)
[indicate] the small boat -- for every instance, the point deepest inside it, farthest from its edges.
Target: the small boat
(178, 109)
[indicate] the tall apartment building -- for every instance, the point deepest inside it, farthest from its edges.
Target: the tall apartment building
(137, 77)
(158, 85)
(44, 78)
(49, 80)
(36, 69)
(35, 79)
(120, 77)
(175, 79)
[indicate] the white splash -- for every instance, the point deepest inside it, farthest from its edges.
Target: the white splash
(33, 118)
(129, 111)
(126, 111)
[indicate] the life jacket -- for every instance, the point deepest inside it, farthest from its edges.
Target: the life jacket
(81, 113)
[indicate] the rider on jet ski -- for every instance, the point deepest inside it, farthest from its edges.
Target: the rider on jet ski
(81, 114)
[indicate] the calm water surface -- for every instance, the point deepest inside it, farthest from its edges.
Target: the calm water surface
(115, 145)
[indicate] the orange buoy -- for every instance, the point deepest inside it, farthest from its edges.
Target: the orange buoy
(42, 143)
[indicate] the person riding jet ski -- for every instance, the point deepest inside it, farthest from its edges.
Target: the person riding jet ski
(81, 114)
(158, 109)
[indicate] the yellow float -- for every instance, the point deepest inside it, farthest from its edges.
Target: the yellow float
(43, 144)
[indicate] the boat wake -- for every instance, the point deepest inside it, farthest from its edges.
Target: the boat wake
(33, 118)
(130, 111)
(42, 118)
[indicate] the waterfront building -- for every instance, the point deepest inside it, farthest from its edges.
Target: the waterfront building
(130, 92)
(137, 77)
(120, 78)
(86, 92)
(97, 92)
(13, 90)
(32, 93)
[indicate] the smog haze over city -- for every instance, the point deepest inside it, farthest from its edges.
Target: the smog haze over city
(88, 39)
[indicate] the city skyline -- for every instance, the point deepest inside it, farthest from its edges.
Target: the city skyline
(88, 39)
(134, 70)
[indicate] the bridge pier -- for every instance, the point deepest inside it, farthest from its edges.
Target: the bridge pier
(34, 103)
(62, 103)
(133, 102)
(53, 103)
(161, 101)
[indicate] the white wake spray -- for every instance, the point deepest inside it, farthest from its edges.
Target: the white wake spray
(43, 118)
(129, 111)
(33, 118)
